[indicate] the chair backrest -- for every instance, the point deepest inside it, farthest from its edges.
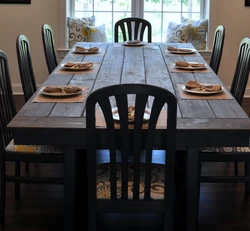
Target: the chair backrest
(130, 142)
(218, 44)
(133, 28)
(241, 73)
(7, 104)
(49, 47)
(25, 66)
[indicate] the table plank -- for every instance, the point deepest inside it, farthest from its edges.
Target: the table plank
(199, 122)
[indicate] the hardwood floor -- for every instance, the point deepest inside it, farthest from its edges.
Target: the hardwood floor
(40, 207)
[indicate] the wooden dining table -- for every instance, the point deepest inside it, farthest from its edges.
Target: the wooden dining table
(203, 119)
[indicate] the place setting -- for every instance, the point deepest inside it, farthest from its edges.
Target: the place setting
(171, 50)
(181, 66)
(78, 67)
(100, 121)
(80, 50)
(133, 43)
(62, 94)
(195, 90)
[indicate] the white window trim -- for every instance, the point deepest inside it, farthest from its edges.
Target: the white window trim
(64, 6)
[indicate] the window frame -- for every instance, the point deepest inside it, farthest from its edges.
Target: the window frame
(66, 9)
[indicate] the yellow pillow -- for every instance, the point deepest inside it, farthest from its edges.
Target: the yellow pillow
(96, 33)
(76, 31)
(196, 32)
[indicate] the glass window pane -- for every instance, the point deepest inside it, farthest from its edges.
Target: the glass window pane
(172, 5)
(152, 5)
(155, 20)
(124, 5)
(191, 5)
(83, 6)
(158, 12)
(106, 18)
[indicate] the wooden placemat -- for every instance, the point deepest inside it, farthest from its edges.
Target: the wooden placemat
(94, 69)
(185, 95)
(173, 69)
(161, 123)
(40, 98)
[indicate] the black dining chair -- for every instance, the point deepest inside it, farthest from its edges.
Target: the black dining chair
(17, 154)
(232, 154)
(217, 49)
(132, 183)
(132, 29)
(25, 66)
(49, 47)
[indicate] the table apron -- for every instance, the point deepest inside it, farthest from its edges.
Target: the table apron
(183, 139)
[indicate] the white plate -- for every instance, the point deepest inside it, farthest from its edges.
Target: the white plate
(78, 69)
(184, 51)
(116, 116)
(133, 44)
(201, 92)
(87, 51)
(190, 67)
(59, 94)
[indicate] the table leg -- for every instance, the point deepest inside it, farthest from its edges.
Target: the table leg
(193, 189)
(69, 188)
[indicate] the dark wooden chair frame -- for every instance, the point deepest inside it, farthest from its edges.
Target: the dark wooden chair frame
(131, 141)
(7, 112)
(126, 27)
(217, 49)
(238, 87)
(49, 47)
(25, 66)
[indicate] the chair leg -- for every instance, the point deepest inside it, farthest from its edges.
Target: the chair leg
(17, 174)
(247, 184)
(27, 166)
(3, 193)
(236, 169)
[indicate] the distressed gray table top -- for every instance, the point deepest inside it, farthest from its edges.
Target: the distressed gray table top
(206, 120)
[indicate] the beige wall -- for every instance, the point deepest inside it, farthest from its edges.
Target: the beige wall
(235, 17)
(28, 19)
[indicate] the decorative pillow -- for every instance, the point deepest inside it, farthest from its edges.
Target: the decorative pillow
(96, 33)
(190, 31)
(197, 33)
(76, 32)
(176, 32)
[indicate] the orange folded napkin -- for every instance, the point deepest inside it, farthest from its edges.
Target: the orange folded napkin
(171, 48)
(185, 50)
(186, 64)
(78, 48)
(78, 65)
(94, 48)
(84, 49)
(51, 89)
(136, 41)
(71, 89)
(195, 86)
(181, 64)
(63, 89)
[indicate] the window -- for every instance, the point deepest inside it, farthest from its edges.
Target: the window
(158, 12)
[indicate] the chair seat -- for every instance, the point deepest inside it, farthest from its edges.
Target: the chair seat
(103, 183)
(224, 149)
(34, 149)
